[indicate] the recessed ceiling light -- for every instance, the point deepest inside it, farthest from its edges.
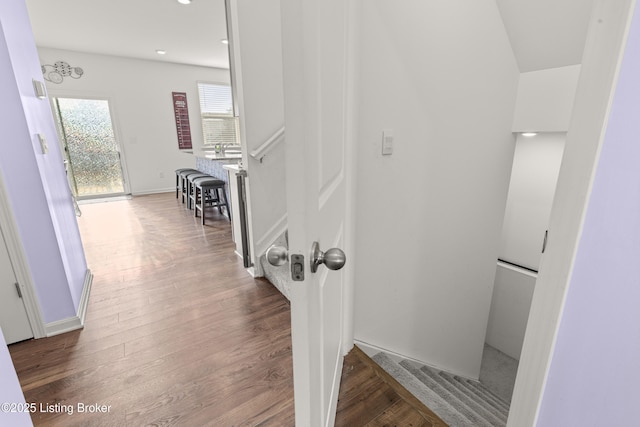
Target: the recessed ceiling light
(224, 41)
(529, 134)
(161, 52)
(184, 1)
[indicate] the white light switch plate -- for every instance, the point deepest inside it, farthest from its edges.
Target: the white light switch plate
(39, 88)
(43, 143)
(387, 142)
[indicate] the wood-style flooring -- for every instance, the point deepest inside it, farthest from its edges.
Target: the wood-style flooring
(177, 333)
(371, 397)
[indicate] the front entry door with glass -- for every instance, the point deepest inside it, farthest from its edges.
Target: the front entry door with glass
(91, 151)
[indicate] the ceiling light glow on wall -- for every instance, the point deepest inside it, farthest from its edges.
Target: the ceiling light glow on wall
(528, 134)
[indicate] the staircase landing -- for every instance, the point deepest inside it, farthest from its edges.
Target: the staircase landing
(458, 401)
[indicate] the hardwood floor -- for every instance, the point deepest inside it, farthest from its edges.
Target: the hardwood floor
(371, 397)
(177, 333)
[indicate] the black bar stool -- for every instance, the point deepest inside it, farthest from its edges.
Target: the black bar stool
(184, 188)
(180, 178)
(211, 192)
(189, 185)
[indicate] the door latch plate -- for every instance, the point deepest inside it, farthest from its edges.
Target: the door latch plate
(297, 267)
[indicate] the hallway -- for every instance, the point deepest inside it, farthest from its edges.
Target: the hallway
(177, 333)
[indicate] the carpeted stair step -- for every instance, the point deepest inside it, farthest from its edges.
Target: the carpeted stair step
(496, 414)
(486, 401)
(459, 397)
(465, 386)
(490, 396)
(430, 397)
(460, 402)
(279, 276)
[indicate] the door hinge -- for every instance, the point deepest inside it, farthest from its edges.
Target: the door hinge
(18, 289)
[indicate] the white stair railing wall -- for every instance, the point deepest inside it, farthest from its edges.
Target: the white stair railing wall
(264, 148)
(256, 75)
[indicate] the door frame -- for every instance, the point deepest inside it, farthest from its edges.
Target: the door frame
(351, 166)
(603, 54)
(18, 260)
(53, 93)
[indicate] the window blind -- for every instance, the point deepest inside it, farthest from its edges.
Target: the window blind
(219, 126)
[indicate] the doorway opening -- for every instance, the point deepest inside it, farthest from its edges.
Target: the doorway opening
(92, 154)
(14, 319)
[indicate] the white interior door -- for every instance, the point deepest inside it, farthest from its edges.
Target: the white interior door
(13, 316)
(315, 36)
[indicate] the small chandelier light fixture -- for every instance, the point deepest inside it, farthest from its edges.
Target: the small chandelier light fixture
(59, 70)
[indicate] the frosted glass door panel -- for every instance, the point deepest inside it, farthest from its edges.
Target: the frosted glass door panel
(89, 140)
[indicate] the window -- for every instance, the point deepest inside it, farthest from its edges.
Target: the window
(219, 126)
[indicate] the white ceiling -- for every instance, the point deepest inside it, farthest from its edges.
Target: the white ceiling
(543, 33)
(546, 33)
(190, 34)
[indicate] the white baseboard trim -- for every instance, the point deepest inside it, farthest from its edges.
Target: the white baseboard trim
(62, 326)
(371, 350)
(258, 271)
(84, 298)
(270, 236)
(157, 191)
(76, 322)
(251, 271)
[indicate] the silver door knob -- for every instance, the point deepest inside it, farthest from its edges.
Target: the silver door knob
(333, 258)
(277, 255)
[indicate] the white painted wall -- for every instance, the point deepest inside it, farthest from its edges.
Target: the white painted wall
(139, 92)
(257, 59)
(545, 99)
(594, 372)
(546, 33)
(544, 104)
(37, 192)
(534, 176)
(512, 294)
(441, 75)
(607, 31)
